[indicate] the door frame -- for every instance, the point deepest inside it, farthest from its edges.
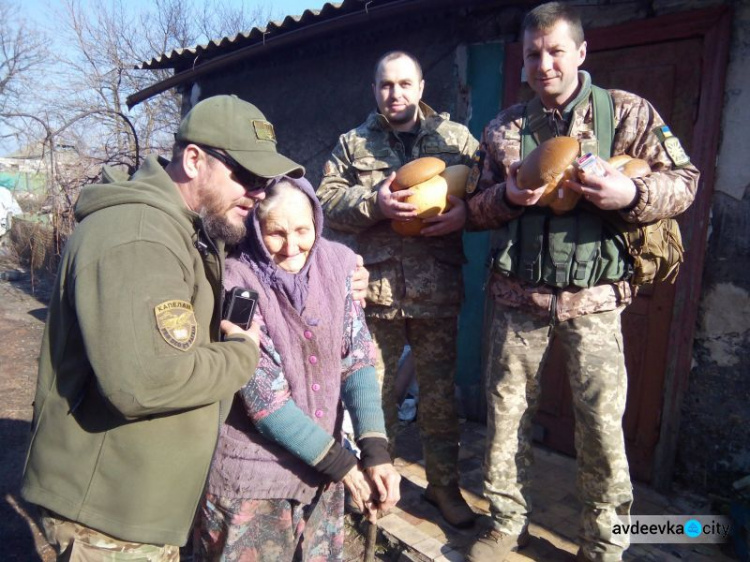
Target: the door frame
(713, 25)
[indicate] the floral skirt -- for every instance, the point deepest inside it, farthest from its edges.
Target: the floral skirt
(276, 530)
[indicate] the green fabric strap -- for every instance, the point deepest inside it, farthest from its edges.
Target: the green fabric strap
(535, 127)
(603, 126)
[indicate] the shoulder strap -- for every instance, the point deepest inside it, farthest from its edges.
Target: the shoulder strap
(604, 121)
(535, 129)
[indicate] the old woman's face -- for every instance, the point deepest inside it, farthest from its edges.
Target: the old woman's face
(288, 231)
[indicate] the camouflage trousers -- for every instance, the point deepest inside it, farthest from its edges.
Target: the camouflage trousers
(594, 359)
(274, 530)
(433, 347)
(77, 543)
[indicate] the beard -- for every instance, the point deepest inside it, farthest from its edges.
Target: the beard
(406, 117)
(215, 222)
(218, 227)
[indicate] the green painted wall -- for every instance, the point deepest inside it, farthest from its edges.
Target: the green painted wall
(485, 79)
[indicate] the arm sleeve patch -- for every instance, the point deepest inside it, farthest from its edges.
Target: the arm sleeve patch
(176, 323)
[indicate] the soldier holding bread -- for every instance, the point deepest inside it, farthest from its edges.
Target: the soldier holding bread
(559, 271)
(415, 289)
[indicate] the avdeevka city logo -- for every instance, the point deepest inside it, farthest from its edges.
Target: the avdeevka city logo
(674, 528)
(693, 528)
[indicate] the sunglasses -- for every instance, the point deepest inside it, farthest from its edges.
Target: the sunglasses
(250, 181)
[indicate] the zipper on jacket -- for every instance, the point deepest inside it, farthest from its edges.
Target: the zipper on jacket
(206, 246)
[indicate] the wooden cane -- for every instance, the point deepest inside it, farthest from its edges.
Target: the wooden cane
(371, 540)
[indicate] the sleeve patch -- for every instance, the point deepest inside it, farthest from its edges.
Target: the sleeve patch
(672, 145)
(176, 323)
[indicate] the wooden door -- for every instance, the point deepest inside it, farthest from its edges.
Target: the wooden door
(668, 70)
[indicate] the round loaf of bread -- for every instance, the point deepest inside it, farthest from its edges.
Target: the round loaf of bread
(430, 197)
(549, 165)
(417, 171)
(631, 167)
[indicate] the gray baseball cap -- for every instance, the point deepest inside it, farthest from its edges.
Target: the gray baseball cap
(242, 131)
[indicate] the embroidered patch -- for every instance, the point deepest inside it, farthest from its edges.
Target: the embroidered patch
(676, 153)
(476, 171)
(264, 130)
(177, 324)
(672, 145)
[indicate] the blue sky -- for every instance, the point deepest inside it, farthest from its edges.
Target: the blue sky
(45, 14)
(36, 8)
(296, 7)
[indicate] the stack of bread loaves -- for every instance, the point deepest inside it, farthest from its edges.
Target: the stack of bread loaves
(553, 162)
(431, 183)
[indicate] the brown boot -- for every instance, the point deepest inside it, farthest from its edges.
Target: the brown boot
(452, 505)
(494, 546)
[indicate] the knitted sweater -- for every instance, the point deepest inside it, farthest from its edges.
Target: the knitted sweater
(307, 354)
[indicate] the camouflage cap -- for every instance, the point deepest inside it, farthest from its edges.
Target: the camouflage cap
(242, 131)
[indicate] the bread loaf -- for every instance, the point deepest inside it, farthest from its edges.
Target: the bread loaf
(549, 165)
(431, 183)
(631, 167)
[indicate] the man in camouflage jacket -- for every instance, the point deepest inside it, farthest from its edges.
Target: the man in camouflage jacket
(527, 317)
(415, 288)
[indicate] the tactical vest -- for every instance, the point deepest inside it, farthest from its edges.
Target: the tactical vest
(578, 249)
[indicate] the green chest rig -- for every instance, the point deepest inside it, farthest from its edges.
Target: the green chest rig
(578, 249)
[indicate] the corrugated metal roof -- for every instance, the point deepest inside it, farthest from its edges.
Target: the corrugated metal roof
(192, 63)
(191, 55)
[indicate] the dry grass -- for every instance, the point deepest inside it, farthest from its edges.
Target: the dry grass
(36, 238)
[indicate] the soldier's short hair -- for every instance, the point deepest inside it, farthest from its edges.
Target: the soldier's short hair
(391, 55)
(546, 16)
(177, 149)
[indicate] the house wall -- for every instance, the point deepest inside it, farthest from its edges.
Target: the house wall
(714, 442)
(314, 92)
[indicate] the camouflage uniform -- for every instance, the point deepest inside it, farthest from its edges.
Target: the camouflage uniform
(78, 543)
(526, 318)
(415, 289)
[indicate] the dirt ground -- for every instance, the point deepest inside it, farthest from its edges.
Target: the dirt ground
(23, 309)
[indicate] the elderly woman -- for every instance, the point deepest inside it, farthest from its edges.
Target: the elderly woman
(276, 488)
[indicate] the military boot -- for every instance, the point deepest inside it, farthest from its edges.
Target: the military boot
(452, 505)
(494, 546)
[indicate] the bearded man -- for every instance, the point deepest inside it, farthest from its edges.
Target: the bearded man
(134, 380)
